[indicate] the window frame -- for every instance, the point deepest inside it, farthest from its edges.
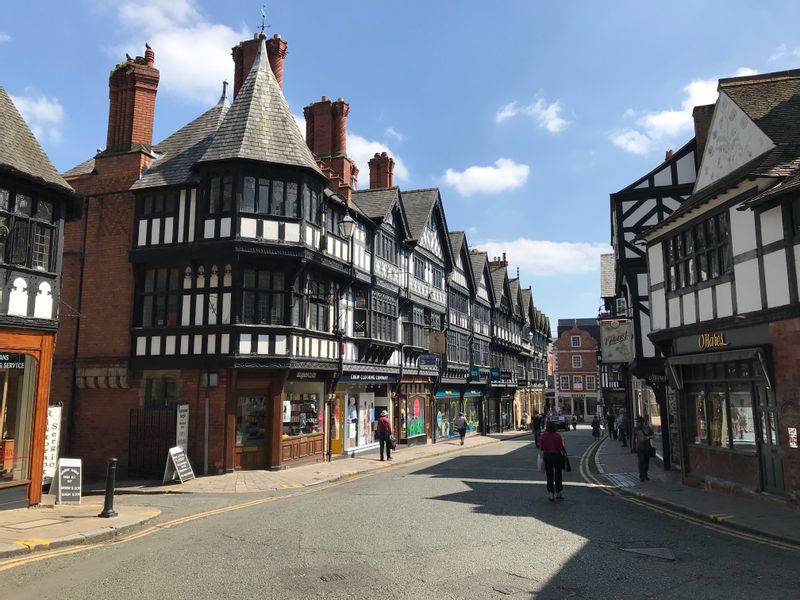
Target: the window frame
(561, 380)
(170, 297)
(577, 361)
(698, 254)
(574, 341)
(35, 226)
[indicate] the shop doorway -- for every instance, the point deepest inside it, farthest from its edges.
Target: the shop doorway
(768, 445)
(151, 433)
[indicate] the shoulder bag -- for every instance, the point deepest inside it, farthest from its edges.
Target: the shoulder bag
(565, 457)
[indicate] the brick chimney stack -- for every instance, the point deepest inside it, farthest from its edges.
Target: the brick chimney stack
(132, 88)
(245, 54)
(381, 167)
(326, 136)
(498, 262)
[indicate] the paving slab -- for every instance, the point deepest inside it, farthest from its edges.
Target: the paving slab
(755, 513)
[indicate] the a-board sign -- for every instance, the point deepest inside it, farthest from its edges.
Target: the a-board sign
(51, 439)
(68, 481)
(182, 426)
(178, 466)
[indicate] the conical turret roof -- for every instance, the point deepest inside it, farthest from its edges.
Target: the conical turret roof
(259, 124)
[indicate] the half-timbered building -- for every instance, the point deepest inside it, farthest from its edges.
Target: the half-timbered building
(637, 207)
(476, 394)
(35, 201)
(724, 297)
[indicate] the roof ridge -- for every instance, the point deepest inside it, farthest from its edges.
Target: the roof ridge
(760, 78)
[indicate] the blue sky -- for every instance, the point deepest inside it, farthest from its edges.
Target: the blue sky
(526, 115)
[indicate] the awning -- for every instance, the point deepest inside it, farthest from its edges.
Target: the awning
(713, 358)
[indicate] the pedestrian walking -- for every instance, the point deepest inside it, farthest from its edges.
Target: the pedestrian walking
(622, 427)
(461, 426)
(524, 421)
(537, 428)
(384, 430)
(612, 431)
(596, 428)
(574, 422)
(552, 449)
(644, 449)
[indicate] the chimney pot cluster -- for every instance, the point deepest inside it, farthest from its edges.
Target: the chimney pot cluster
(326, 136)
(381, 169)
(244, 55)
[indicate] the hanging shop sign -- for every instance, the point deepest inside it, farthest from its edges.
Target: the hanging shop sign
(68, 481)
(474, 373)
(494, 374)
(437, 342)
(51, 440)
(178, 466)
(616, 341)
(428, 360)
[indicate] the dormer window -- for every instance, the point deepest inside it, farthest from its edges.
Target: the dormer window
(575, 341)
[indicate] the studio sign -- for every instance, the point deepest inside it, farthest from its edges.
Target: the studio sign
(707, 341)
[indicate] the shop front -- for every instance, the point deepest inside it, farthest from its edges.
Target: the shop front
(446, 410)
(414, 407)
(473, 410)
(730, 421)
(359, 400)
(25, 364)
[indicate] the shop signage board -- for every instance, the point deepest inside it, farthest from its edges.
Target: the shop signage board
(792, 437)
(428, 360)
(474, 373)
(616, 341)
(305, 375)
(494, 374)
(51, 439)
(367, 377)
(182, 427)
(720, 340)
(68, 481)
(178, 466)
(437, 341)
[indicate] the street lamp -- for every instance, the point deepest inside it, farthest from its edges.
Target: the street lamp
(346, 227)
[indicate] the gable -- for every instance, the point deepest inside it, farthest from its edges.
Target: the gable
(432, 238)
(733, 141)
(483, 290)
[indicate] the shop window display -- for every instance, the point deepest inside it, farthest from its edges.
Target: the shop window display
(742, 419)
(471, 413)
(412, 417)
(251, 420)
(302, 414)
(18, 381)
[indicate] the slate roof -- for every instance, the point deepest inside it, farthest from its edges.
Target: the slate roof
(514, 285)
(477, 261)
(259, 124)
(418, 205)
(20, 153)
(83, 168)
(527, 297)
(498, 282)
(456, 241)
(608, 280)
(787, 186)
(181, 150)
(376, 203)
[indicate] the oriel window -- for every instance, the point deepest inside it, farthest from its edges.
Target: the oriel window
(31, 225)
(158, 298)
(266, 297)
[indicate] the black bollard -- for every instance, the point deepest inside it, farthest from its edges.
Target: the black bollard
(108, 506)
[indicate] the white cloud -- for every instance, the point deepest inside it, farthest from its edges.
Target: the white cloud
(361, 150)
(548, 258)
(547, 116)
(4, 37)
(504, 175)
(667, 126)
(391, 132)
(193, 54)
(778, 53)
(43, 115)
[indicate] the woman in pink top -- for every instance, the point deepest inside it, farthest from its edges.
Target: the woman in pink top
(551, 445)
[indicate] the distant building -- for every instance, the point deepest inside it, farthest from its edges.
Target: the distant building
(576, 370)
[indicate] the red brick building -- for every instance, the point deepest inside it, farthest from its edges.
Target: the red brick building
(576, 373)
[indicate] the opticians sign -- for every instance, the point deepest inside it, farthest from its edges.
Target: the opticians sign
(616, 341)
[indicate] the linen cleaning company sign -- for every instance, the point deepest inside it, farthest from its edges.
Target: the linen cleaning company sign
(616, 341)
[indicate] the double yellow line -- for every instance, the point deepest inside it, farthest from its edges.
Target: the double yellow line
(593, 481)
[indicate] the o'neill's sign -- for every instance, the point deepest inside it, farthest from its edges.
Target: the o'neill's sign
(616, 341)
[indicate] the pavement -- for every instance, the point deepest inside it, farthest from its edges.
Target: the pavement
(754, 514)
(50, 526)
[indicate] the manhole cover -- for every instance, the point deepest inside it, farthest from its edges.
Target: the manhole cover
(332, 577)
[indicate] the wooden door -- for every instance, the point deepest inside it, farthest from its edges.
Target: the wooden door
(768, 441)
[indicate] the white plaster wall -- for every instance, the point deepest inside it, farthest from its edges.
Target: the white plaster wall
(776, 277)
(655, 264)
(686, 169)
(724, 299)
(743, 230)
(771, 225)
(689, 313)
(706, 302)
(663, 177)
(658, 310)
(748, 290)
(674, 312)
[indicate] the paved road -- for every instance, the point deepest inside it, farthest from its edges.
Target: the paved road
(476, 525)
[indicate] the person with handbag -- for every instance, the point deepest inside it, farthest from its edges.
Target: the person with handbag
(461, 426)
(644, 449)
(384, 430)
(551, 445)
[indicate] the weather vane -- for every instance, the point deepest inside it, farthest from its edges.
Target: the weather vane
(263, 19)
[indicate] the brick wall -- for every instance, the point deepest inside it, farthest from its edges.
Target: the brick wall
(785, 337)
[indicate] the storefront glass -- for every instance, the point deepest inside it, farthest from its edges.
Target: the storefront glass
(742, 419)
(447, 409)
(472, 413)
(303, 412)
(364, 404)
(251, 420)
(18, 381)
